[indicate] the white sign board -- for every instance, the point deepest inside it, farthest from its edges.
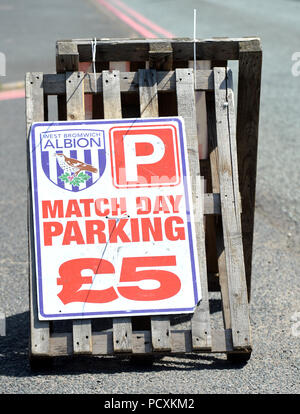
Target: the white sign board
(113, 220)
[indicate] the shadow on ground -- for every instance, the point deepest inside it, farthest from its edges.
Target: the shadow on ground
(14, 361)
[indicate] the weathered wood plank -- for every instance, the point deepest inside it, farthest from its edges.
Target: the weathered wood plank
(186, 108)
(103, 343)
(148, 93)
(212, 203)
(237, 289)
(137, 50)
(215, 184)
(55, 84)
(122, 335)
(39, 330)
(233, 147)
(75, 96)
(88, 98)
(67, 57)
(160, 56)
(82, 336)
(249, 86)
(200, 100)
(111, 94)
(181, 343)
(142, 343)
(160, 333)
(61, 344)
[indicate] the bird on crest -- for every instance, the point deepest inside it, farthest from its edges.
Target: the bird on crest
(73, 166)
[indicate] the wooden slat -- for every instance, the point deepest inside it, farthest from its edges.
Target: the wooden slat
(233, 147)
(223, 276)
(55, 84)
(39, 330)
(237, 289)
(160, 333)
(67, 57)
(122, 335)
(186, 108)
(103, 343)
(111, 94)
(82, 329)
(148, 93)
(160, 56)
(212, 204)
(137, 50)
(61, 344)
(75, 96)
(82, 336)
(200, 101)
(141, 342)
(181, 343)
(215, 184)
(160, 325)
(249, 85)
(122, 328)
(88, 98)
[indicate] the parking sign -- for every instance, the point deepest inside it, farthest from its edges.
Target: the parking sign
(113, 219)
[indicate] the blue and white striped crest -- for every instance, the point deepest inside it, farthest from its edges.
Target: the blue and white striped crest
(82, 148)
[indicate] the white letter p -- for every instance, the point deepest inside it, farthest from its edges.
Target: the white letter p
(132, 160)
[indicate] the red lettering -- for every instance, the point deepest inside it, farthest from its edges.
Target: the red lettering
(72, 280)
(72, 233)
(135, 233)
(174, 233)
(169, 283)
(155, 230)
(143, 205)
(51, 229)
(116, 230)
(98, 207)
(95, 228)
(118, 205)
(57, 210)
(73, 209)
(160, 205)
(87, 206)
(175, 202)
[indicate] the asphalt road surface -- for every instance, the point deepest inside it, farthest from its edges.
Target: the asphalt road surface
(28, 31)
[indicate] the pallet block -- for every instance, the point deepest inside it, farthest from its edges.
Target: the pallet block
(162, 89)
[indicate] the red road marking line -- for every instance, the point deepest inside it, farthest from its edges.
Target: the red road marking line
(153, 26)
(139, 28)
(136, 26)
(13, 94)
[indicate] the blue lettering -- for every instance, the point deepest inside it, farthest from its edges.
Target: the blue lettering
(85, 141)
(48, 144)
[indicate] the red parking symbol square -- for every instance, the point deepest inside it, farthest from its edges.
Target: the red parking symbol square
(144, 156)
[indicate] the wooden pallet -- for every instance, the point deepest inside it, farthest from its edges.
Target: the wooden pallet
(161, 90)
(167, 55)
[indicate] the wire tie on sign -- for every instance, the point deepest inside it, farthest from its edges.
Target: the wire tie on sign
(94, 47)
(123, 216)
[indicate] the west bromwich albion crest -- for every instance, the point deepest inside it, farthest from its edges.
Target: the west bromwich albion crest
(73, 159)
